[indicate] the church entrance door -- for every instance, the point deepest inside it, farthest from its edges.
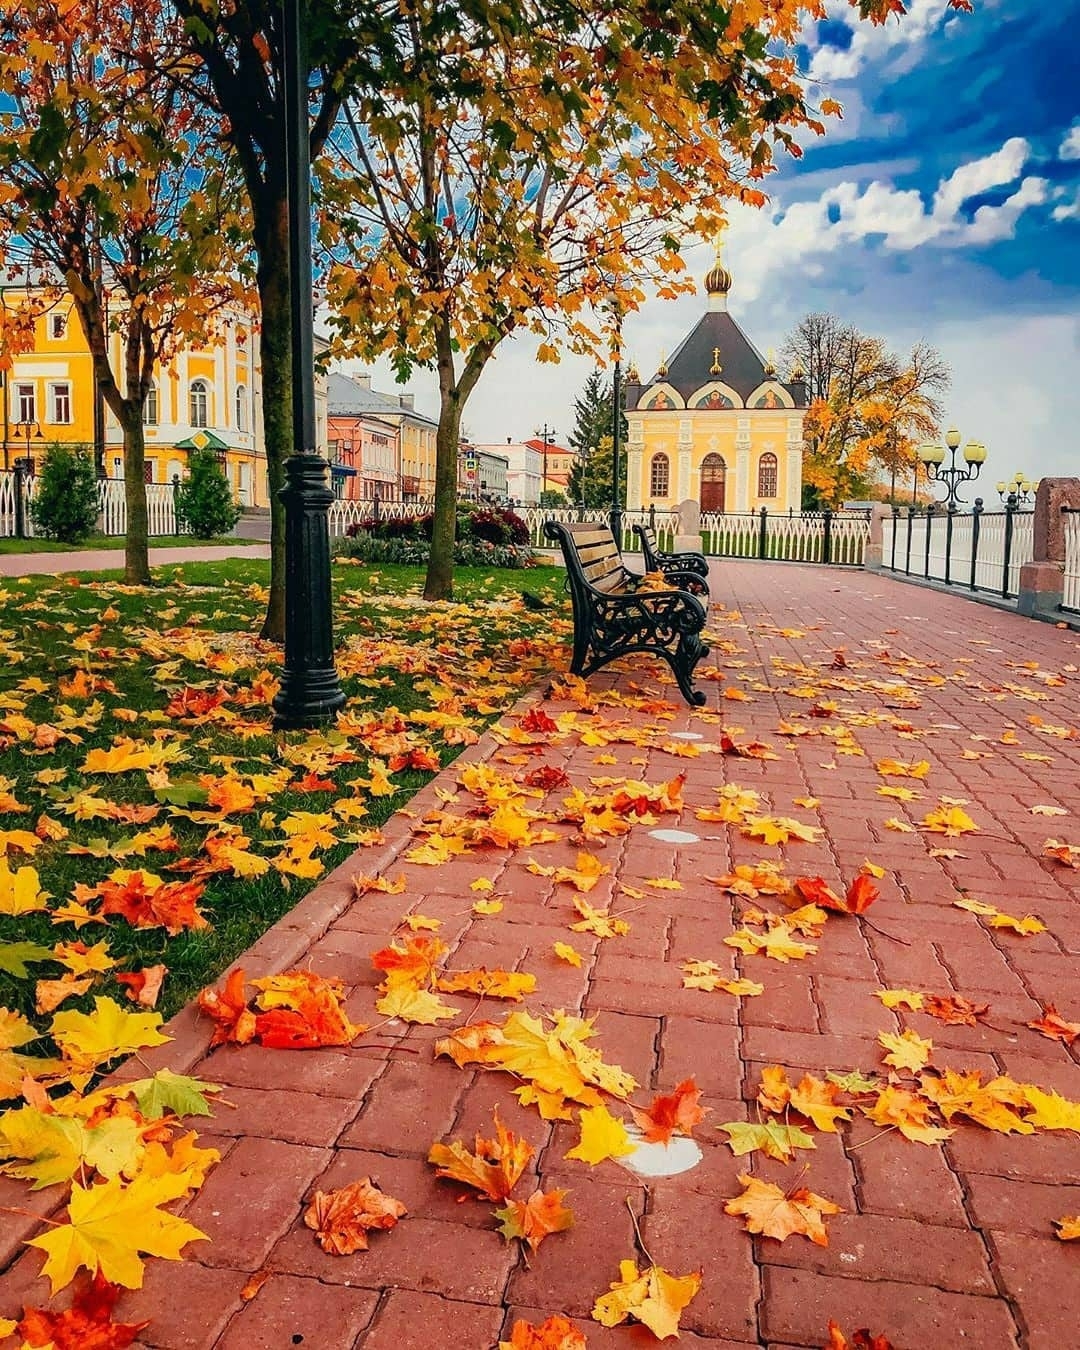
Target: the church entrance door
(713, 483)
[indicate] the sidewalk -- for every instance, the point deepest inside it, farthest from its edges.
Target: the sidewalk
(937, 1246)
(112, 559)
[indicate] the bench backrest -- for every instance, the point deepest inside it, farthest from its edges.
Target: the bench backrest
(591, 554)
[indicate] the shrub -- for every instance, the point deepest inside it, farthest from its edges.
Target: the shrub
(204, 503)
(65, 506)
(370, 548)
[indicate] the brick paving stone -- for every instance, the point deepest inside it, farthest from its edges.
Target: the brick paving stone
(872, 1247)
(1031, 1157)
(271, 1176)
(1040, 1273)
(411, 1104)
(188, 1303)
(899, 1177)
(16, 1228)
(288, 1311)
(826, 1169)
(1029, 1207)
(277, 1113)
(410, 1320)
(706, 1051)
(798, 1305)
(335, 1073)
(628, 1336)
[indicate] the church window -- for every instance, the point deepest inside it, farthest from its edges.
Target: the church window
(659, 476)
(766, 476)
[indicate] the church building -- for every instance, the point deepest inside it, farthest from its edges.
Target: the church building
(715, 423)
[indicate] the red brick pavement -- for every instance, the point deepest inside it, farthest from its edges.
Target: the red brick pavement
(937, 1246)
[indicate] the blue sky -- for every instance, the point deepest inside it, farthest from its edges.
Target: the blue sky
(945, 206)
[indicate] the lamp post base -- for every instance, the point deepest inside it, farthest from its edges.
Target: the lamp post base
(307, 698)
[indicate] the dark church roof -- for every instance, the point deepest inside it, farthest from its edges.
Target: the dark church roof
(716, 341)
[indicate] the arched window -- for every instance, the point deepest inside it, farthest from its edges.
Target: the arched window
(659, 476)
(766, 475)
(241, 407)
(150, 407)
(199, 398)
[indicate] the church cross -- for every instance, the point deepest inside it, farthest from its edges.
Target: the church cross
(716, 367)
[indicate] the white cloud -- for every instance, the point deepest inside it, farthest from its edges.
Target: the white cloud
(870, 42)
(1003, 166)
(1068, 210)
(1070, 146)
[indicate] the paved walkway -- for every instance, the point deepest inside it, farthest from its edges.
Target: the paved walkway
(112, 559)
(937, 1246)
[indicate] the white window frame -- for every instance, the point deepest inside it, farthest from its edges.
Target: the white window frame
(241, 407)
(59, 391)
(200, 416)
(151, 408)
(25, 400)
(58, 325)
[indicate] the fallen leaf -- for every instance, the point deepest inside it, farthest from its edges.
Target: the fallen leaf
(906, 1051)
(602, 1136)
(493, 1169)
(534, 1219)
(652, 1296)
(900, 998)
(566, 953)
(343, 1218)
(768, 1211)
(954, 1010)
(254, 1284)
(1054, 1026)
(676, 1113)
(1068, 1229)
(86, 1325)
(861, 1341)
(554, 1333)
(773, 1139)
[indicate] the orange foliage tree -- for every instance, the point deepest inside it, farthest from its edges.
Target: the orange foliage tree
(538, 167)
(112, 194)
(869, 407)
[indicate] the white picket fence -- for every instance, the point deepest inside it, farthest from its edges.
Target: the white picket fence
(923, 547)
(112, 508)
(1070, 598)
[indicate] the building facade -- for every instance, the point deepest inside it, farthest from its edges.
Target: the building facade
(524, 468)
(715, 424)
(404, 469)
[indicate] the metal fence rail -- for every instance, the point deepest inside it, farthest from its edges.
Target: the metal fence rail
(978, 550)
(112, 507)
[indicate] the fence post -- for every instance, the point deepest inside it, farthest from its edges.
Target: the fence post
(976, 523)
(376, 507)
(826, 543)
(762, 533)
(1011, 503)
(652, 516)
(948, 542)
(929, 530)
(910, 527)
(20, 501)
(895, 531)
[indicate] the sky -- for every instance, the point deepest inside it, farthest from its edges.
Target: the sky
(944, 206)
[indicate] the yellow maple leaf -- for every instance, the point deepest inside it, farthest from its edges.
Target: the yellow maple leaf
(900, 826)
(600, 922)
(1068, 1228)
(906, 1051)
(481, 884)
(777, 943)
(602, 1136)
(110, 1225)
(779, 829)
(566, 953)
(907, 1112)
(771, 1212)
(89, 1039)
(663, 884)
(483, 907)
(950, 821)
(900, 998)
(414, 1005)
(1051, 1111)
(420, 923)
(15, 1030)
(900, 794)
(896, 768)
(20, 891)
(653, 1297)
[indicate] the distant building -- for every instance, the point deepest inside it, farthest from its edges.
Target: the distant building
(715, 423)
(556, 461)
(524, 468)
(358, 417)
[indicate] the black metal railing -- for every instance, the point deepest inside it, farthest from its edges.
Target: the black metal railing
(978, 550)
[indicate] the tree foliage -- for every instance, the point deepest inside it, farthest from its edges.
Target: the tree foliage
(110, 192)
(204, 500)
(65, 503)
(590, 478)
(869, 407)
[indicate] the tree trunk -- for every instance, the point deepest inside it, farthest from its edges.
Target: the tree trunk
(439, 583)
(275, 355)
(136, 548)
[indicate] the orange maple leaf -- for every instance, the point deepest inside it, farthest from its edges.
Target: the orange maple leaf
(535, 1219)
(300, 1010)
(86, 1325)
(342, 1219)
(228, 1007)
(556, 1333)
(676, 1113)
(954, 1010)
(768, 1211)
(1054, 1026)
(143, 986)
(146, 902)
(862, 1339)
(493, 1169)
(413, 964)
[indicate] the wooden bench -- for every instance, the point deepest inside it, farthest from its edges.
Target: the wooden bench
(613, 616)
(677, 566)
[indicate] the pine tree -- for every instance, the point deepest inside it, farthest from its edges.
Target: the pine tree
(590, 478)
(65, 506)
(204, 501)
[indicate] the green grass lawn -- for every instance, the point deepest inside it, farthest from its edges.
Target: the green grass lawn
(102, 541)
(88, 663)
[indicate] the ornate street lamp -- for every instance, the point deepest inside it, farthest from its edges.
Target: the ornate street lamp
(933, 456)
(310, 692)
(1020, 489)
(616, 430)
(543, 480)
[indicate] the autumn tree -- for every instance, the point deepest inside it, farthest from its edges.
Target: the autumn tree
(239, 46)
(110, 194)
(869, 407)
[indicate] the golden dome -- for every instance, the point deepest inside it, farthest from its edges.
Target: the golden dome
(718, 278)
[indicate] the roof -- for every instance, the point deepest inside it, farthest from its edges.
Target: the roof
(349, 398)
(717, 340)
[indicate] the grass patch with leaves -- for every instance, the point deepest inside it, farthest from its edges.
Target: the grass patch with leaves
(135, 727)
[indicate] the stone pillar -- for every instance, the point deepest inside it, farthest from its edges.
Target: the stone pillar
(795, 445)
(688, 538)
(1041, 580)
(684, 458)
(633, 477)
(872, 558)
(742, 467)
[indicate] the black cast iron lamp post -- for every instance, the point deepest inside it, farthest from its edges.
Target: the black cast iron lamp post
(310, 692)
(933, 456)
(616, 429)
(548, 433)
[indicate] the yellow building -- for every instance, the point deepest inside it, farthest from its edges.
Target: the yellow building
(715, 423)
(200, 397)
